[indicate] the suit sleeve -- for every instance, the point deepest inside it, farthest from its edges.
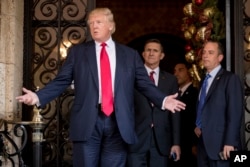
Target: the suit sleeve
(144, 85)
(62, 80)
(234, 95)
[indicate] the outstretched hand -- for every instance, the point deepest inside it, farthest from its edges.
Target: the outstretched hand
(173, 105)
(29, 98)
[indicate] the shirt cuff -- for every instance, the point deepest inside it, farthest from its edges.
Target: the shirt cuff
(162, 106)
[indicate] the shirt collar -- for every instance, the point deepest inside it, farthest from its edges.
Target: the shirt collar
(156, 70)
(214, 72)
(184, 88)
(109, 42)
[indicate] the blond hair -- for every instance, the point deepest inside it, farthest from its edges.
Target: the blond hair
(107, 13)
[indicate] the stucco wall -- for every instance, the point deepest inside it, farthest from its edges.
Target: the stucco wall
(11, 57)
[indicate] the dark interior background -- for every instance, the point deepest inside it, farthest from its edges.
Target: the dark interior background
(137, 21)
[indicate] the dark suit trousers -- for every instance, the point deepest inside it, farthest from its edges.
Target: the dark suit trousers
(149, 157)
(204, 161)
(105, 148)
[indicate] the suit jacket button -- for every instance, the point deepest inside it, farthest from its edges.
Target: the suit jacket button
(152, 125)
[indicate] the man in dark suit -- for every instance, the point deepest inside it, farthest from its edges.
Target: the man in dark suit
(102, 116)
(158, 131)
(188, 95)
(218, 123)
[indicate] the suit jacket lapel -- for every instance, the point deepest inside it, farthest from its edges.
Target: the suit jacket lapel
(214, 83)
(90, 52)
(187, 90)
(120, 62)
(161, 82)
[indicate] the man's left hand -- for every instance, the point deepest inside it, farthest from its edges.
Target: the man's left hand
(226, 151)
(173, 105)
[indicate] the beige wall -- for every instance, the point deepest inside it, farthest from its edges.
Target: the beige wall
(11, 57)
(11, 63)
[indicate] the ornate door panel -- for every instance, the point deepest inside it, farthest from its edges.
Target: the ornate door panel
(51, 28)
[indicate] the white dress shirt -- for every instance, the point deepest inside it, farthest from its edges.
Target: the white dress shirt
(156, 74)
(110, 49)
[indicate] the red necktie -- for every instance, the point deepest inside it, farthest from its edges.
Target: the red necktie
(151, 76)
(106, 82)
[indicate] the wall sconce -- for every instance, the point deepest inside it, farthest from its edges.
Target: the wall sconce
(64, 49)
(248, 42)
(63, 54)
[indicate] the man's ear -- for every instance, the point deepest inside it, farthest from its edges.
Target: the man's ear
(162, 55)
(143, 54)
(221, 56)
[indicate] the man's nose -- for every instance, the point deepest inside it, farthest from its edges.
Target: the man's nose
(94, 24)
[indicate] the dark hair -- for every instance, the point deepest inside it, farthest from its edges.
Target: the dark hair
(154, 40)
(220, 46)
(187, 65)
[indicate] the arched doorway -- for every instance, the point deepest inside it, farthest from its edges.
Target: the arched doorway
(173, 48)
(173, 45)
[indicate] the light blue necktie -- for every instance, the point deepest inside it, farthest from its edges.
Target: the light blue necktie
(201, 101)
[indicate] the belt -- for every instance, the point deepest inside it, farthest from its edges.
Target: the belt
(99, 106)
